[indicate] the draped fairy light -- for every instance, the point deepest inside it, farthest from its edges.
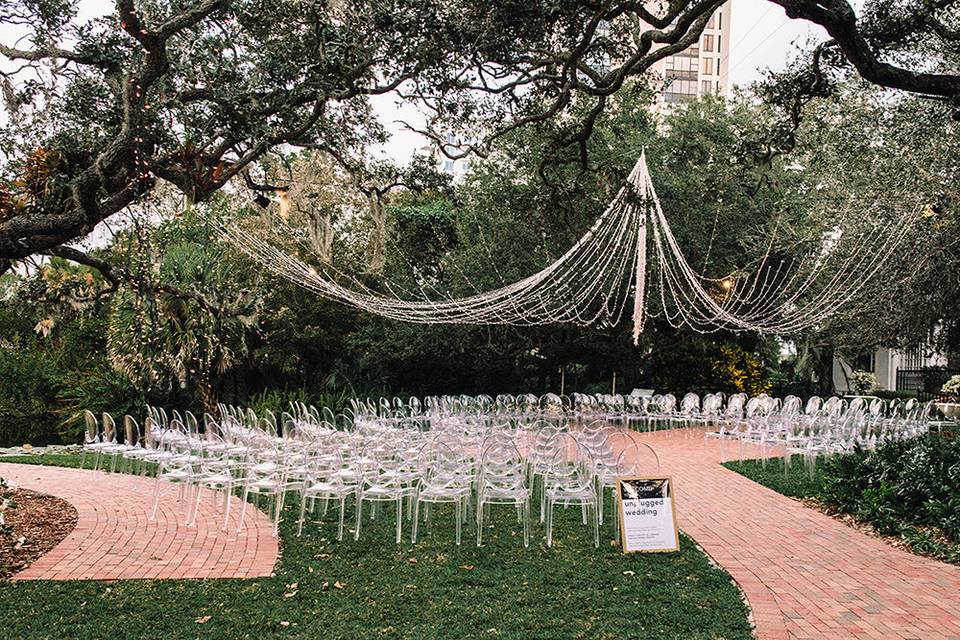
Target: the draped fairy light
(592, 283)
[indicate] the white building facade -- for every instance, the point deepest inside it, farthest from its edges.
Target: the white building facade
(887, 365)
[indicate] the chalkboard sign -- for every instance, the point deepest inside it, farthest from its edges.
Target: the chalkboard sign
(648, 521)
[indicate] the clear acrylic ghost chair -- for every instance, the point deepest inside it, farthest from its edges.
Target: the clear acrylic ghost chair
(329, 477)
(131, 444)
(502, 481)
(625, 456)
(264, 477)
(148, 442)
(92, 436)
(539, 457)
(110, 446)
(214, 472)
(384, 478)
(174, 467)
(570, 481)
(443, 479)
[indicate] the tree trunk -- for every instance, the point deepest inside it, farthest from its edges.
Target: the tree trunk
(207, 393)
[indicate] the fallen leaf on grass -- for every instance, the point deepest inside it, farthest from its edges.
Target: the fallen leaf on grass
(290, 595)
(468, 567)
(284, 623)
(339, 585)
(628, 573)
(203, 619)
(412, 560)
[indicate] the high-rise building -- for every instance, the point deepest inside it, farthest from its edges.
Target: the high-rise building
(701, 69)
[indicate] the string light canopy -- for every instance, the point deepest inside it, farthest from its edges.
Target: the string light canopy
(592, 284)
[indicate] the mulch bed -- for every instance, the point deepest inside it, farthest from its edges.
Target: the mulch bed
(39, 523)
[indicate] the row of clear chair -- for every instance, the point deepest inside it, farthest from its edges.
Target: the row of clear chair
(454, 454)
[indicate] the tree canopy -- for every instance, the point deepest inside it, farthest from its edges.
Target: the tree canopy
(198, 93)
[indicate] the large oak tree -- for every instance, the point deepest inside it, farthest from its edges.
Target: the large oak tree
(197, 92)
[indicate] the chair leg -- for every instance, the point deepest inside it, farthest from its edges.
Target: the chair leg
(156, 499)
(399, 518)
(459, 517)
(226, 509)
(596, 528)
(416, 521)
(356, 532)
(303, 508)
(343, 500)
(600, 501)
(543, 501)
(479, 520)
(278, 499)
(192, 517)
(549, 521)
(526, 523)
(243, 508)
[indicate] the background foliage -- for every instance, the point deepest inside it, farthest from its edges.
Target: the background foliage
(193, 323)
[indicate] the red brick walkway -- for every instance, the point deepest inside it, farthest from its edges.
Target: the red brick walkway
(805, 574)
(115, 540)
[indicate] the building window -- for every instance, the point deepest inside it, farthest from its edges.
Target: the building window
(866, 362)
(708, 42)
(448, 166)
(720, 19)
(708, 66)
(718, 43)
(706, 87)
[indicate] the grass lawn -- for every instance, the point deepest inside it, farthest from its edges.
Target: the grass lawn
(795, 482)
(376, 589)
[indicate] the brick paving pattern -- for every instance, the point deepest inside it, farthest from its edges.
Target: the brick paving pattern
(115, 540)
(805, 574)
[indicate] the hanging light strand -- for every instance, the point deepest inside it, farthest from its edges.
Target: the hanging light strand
(592, 283)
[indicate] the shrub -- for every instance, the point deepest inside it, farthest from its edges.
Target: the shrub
(28, 386)
(740, 371)
(863, 382)
(952, 386)
(902, 483)
(889, 394)
(277, 400)
(101, 388)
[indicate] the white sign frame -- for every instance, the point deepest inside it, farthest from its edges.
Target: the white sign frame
(669, 514)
